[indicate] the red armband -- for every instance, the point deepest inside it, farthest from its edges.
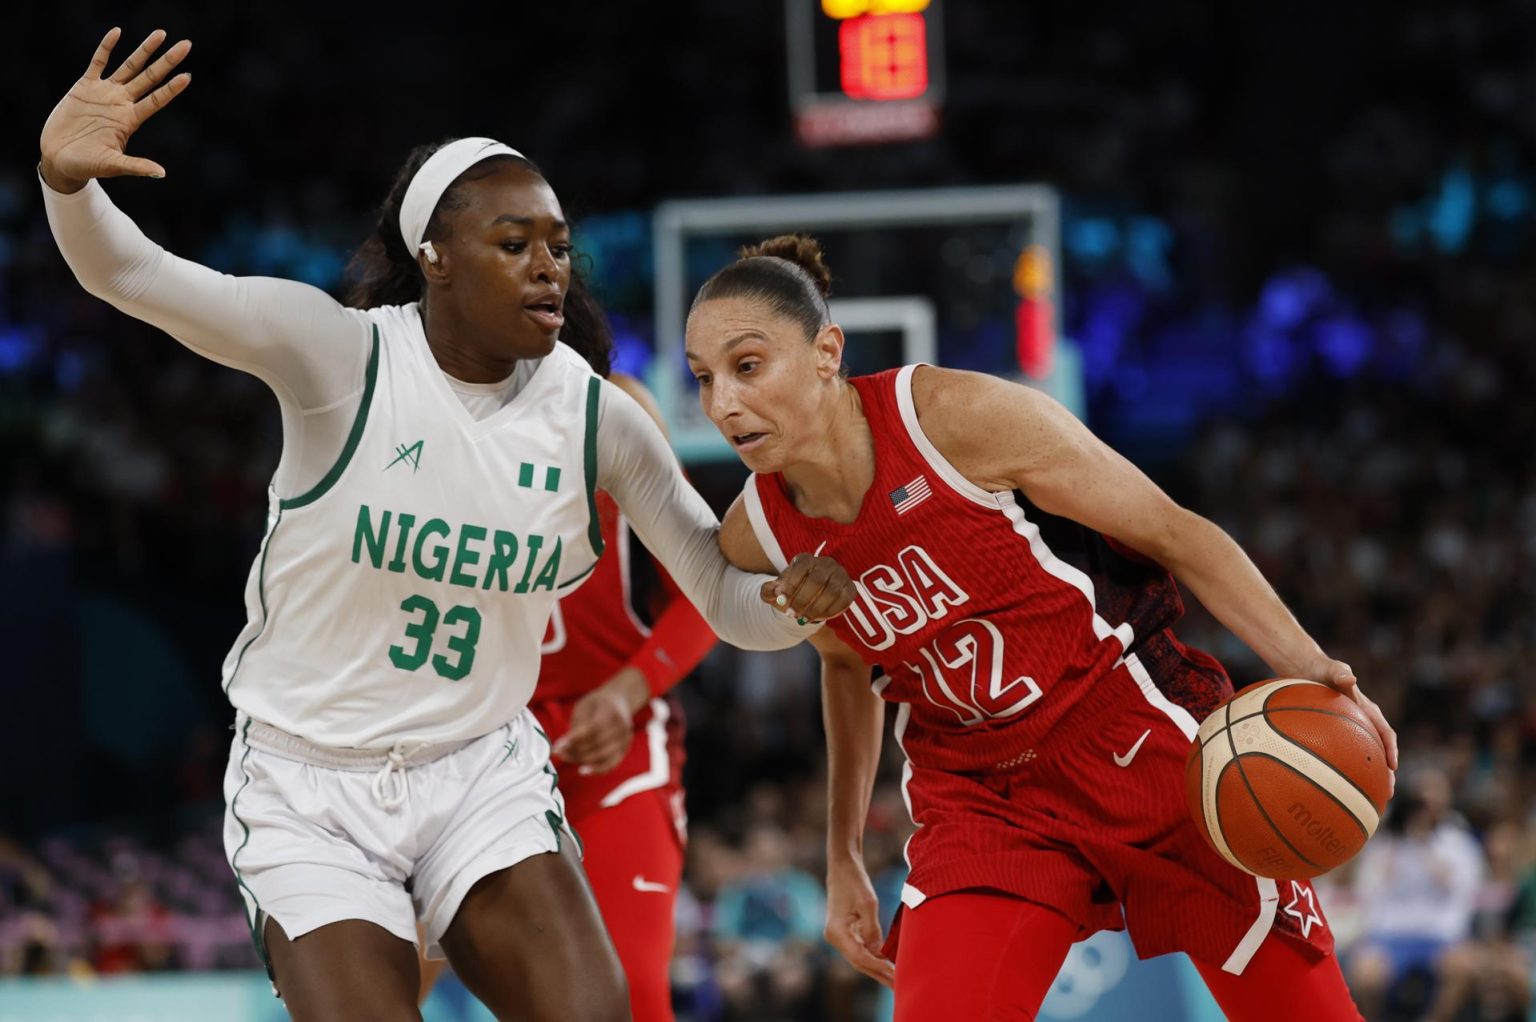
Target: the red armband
(677, 643)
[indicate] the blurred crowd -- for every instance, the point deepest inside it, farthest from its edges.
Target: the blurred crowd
(1338, 262)
(1398, 517)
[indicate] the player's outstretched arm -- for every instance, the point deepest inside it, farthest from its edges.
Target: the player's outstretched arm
(296, 337)
(637, 467)
(1003, 436)
(603, 721)
(680, 638)
(855, 724)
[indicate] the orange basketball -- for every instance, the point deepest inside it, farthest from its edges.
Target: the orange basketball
(1287, 779)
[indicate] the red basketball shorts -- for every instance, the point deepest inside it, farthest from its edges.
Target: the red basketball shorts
(1095, 826)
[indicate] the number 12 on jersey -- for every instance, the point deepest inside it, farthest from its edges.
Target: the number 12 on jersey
(973, 646)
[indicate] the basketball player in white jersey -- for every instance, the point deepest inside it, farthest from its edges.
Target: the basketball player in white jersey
(433, 499)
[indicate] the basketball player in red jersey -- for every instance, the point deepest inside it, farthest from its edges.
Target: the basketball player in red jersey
(1015, 600)
(603, 697)
(619, 751)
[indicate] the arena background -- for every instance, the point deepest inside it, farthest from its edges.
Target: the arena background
(1292, 277)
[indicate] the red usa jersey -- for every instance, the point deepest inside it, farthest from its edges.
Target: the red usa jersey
(593, 632)
(987, 618)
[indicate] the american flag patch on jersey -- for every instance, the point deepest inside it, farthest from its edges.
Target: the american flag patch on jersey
(905, 498)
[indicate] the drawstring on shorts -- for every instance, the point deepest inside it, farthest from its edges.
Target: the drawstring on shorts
(389, 782)
(390, 778)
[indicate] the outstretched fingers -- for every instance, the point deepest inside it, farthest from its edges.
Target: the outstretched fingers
(135, 61)
(153, 75)
(103, 53)
(156, 101)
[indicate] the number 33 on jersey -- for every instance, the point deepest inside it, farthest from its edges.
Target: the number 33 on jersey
(416, 578)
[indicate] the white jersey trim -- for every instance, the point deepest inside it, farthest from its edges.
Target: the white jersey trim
(1175, 712)
(1269, 896)
(1073, 576)
(910, 896)
(259, 571)
(1269, 902)
(940, 464)
(660, 771)
(760, 527)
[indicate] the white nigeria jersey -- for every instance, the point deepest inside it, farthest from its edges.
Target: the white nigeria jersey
(404, 596)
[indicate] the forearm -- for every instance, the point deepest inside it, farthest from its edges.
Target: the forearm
(1223, 578)
(855, 721)
(637, 467)
(295, 337)
(678, 641)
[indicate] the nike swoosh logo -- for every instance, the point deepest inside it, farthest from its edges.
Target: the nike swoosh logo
(642, 884)
(1125, 761)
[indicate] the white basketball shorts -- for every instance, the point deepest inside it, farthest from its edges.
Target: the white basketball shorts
(319, 835)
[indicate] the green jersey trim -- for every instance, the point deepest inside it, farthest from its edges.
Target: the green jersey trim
(261, 595)
(353, 438)
(255, 917)
(594, 527)
(570, 582)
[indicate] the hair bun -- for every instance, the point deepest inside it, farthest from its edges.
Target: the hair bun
(802, 250)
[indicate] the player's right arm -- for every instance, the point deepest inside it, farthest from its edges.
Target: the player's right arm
(855, 721)
(296, 338)
(1003, 436)
(638, 469)
(603, 721)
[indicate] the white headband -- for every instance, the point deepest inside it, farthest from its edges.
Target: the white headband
(432, 180)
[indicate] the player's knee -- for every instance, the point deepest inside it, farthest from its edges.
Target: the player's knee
(607, 997)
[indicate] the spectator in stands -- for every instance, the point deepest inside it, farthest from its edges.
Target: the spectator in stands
(767, 928)
(131, 930)
(1418, 881)
(1490, 969)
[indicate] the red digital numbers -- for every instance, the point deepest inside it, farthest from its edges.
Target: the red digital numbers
(884, 56)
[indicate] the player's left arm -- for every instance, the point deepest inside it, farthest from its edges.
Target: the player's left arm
(1004, 436)
(681, 638)
(602, 721)
(854, 717)
(636, 466)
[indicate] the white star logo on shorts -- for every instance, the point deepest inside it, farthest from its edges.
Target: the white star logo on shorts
(1305, 915)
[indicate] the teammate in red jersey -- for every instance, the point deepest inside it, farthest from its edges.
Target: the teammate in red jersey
(603, 697)
(619, 748)
(1015, 600)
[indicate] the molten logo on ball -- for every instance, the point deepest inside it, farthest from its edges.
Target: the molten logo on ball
(1319, 832)
(1287, 779)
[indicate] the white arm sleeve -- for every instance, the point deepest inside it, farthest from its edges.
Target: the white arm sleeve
(301, 342)
(636, 466)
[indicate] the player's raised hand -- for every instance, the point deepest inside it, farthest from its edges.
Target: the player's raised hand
(1339, 675)
(603, 723)
(87, 133)
(813, 588)
(853, 921)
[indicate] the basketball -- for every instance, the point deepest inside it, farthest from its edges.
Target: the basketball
(1287, 779)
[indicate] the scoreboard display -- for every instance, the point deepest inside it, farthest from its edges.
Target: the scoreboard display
(864, 71)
